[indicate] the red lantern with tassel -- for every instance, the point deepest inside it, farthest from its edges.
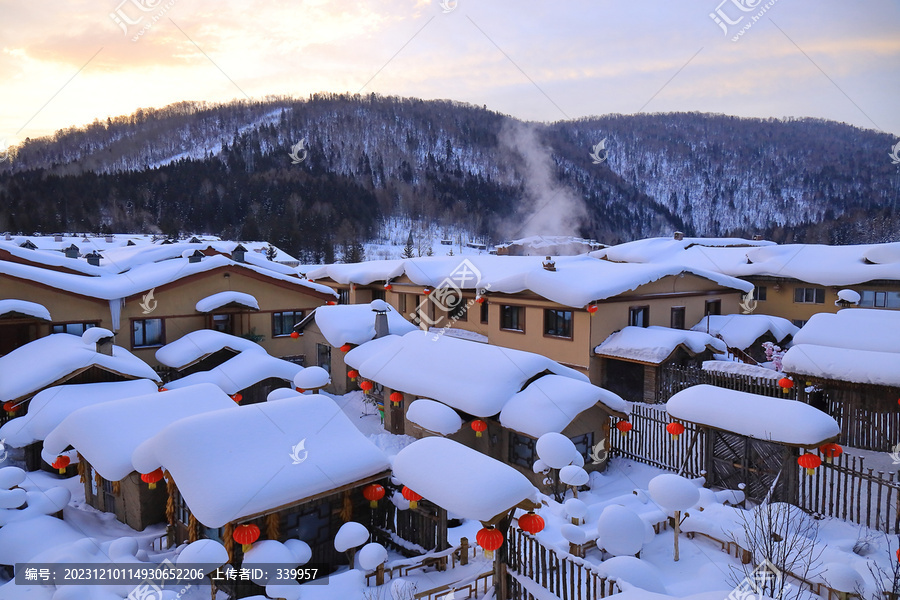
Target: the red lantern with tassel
(830, 451)
(237, 398)
(531, 523)
(480, 299)
(592, 309)
(366, 385)
(786, 384)
(426, 291)
(412, 497)
(151, 478)
(162, 389)
(490, 539)
(396, 398)
(9, 407)
(352, 374)
(61, 463)
(331, 303)
(675, 429)
(245, 534)
(478, 426)
(809, 462)
(373, 493)
(346, 348)
(388, 286)
(624, 427)
(295, 335)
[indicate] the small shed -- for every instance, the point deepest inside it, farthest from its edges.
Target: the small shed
(752, 439)
(203, 350)
(745, 334)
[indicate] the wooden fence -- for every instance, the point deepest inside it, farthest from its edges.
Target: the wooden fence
(674, 378)
(648, 442)
(531, 565)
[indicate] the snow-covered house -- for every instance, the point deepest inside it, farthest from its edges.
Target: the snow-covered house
(150, 294)
(295, 467)
(631, 362)
(21, 322)
(105, 436)
(848, 365)
(562, 307)
(203, 350)
(745, 334)
(50, 406)
(751, 439)
(328, 328)
(63, 358)
(493, 399)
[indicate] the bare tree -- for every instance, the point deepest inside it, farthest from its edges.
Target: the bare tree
(887, 581)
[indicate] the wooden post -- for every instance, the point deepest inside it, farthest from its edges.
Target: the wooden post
(677, 530)
(464, 551)
(379, 574)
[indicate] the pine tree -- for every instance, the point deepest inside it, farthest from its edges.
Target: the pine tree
(408, 250)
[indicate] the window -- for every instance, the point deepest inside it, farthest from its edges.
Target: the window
(323, 356)
(222, 323)
(521, 450)
(312, 525)
(147, 332)
(213, 533)
(378, 294)
(459, 309)
(182, 512)
(343, 296)
(798, 322)
(639, 316)
(584, 444)
(558, 323)
(512, 317)
(484, 312)
(109, 498)
(875, 299)
(713, 307)
(283, 322)
(73, 328)
(809, 295)
(401, 303)
(759, 293)
(676, 321)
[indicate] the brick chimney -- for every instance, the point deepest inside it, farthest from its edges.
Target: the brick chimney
(93, 258)
(105, 345)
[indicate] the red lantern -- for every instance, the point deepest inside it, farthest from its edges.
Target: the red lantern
(300, 390)
(396, 398)
(898, 555)
(237, 398)
(479, 300)
(388, 286)
(346, 348)
(478, 426)
(9, 407)
(366, 385)
(786, 384)
(531, 523)
(331, 303)
(426, 291)
(373, 493)
(352, 374)
(490, 539)
(61, 463)
(675, 429)
(163, 389)
(830, 451)
(592, 309)
(412, 497)
(295, 335)
(152, 477)
(245, 534)
(809, 462)
(624, 427)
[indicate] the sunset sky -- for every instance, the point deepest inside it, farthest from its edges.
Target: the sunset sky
(68, 62)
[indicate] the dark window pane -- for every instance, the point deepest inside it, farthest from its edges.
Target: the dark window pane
(677, 320)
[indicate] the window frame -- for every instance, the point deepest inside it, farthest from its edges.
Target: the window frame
(815, 293)
(679, 310)
(570, 322)
(586, 439)
(520, 320)
(643, 310)
(84, 324)
(343, 295)
(485, 313)
(759, 293)
(280, 314)
(324, 350)
(717, 303)
(516, 440)
(162, 333)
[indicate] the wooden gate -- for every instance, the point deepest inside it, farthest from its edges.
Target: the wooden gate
(736, 459)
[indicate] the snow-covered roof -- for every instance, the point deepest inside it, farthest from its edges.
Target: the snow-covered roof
(576, 282)
(355, 323)
(59, 356)
(240, 372)
(740, 368)
(478, 379)
(299, 449)
(855, 344)
(434, 416)
(812, 263)
(312, 378)
(655, 344)
(466, 482)
(740, 331)
(550, 403)
(196, 345)
(220, 299)
(49, 407)
(106, 434)
(779, 420)
(24, 307)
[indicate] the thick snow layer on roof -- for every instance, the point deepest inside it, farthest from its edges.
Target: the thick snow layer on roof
(355, 323)
(362, 273)
(20, 541)
(143, 277)
(49, 407)
(220, 299)
(740, 331)
(299, 449)
(655, 344)
(739, 368)
(552, 402)
(59, 355)
(312, 378)
(855, 344)
(106, 434)
(466, 482)
(434, 416)
(661, 249)
(195, 345)
(760, 417)
(24, 307)
(240, 372)
(474, 378)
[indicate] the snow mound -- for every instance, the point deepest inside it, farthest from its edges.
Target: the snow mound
(355, 323)
(633, 571)
(24, 307)
(434, 416)
(216, 301)
(350, 535)
(196, 345)
(621, 531)
(208, 552)
(371, 555)
(673, 492)
(556, 450)
(655, 344)
(740, 331)
(95, 334)
(312, 378)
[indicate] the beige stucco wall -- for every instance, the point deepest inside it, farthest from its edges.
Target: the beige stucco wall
(781, 303)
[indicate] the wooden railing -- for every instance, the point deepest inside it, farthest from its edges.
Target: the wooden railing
(648, 442)
(674, 378)
(439, 560)
(469, 588)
